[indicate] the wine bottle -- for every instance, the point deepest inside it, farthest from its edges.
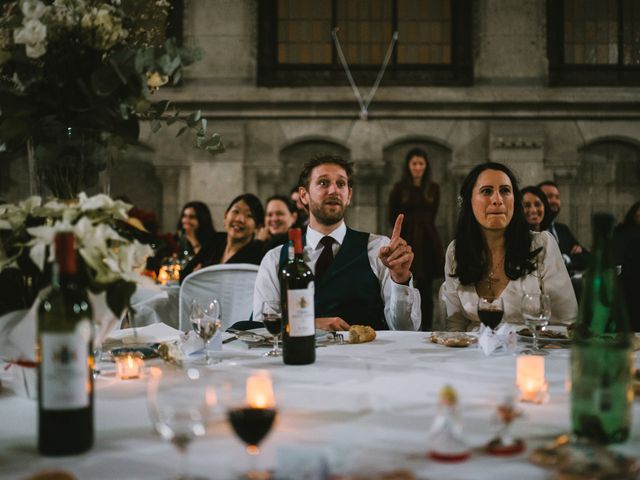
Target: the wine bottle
(298, 317)
(601, 356)
(65, 377)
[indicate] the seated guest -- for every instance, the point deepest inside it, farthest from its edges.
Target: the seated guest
(360, 278)
(626, 238)
(495, 255)
(575, 256)
(196, 226)
(536, 208)
(281, 214)
(237, 244)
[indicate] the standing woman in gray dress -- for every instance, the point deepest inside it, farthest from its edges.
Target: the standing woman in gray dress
(418, 198)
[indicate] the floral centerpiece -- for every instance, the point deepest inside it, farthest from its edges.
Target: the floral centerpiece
(109, 258)
(77, 76)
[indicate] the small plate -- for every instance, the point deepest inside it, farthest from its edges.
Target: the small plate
(147, 351)
(544, 340)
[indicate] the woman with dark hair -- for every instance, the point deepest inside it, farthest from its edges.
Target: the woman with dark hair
(196, 226)
(280, 215)
(494, 254)
(237, 244)
(418, 198)
(536, 208)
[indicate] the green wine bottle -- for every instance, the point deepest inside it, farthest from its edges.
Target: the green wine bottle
(601, 357)
(65, 379)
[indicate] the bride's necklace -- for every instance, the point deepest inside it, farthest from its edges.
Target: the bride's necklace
(491, 278)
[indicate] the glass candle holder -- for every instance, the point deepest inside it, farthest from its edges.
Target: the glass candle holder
(129, 366)
(530, 379)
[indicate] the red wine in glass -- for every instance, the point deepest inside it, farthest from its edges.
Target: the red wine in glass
(491, 318)
(490, 311)
(273, 324)
(252, 424)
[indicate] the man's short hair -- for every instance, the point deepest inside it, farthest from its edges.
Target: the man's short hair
(549, 183)
(305, 175)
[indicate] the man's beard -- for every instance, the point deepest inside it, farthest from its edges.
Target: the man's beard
(324, 217)
(553, 214)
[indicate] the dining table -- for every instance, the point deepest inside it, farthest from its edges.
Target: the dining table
(360, 411)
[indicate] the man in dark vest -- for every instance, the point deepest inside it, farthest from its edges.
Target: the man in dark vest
(575, 256)
(360, 278)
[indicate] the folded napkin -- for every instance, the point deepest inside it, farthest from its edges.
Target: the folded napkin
(154, 333)
(504, 336)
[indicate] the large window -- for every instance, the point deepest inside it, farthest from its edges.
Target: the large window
(296, 46)
(593, 42)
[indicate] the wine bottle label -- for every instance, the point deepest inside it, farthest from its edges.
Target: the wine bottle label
(65, 368)
(301, 312)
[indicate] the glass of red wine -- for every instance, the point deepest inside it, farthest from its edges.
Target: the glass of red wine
(490, 311)
(272, 319)
(251, 410)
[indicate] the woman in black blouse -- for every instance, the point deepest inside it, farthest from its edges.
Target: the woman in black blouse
(237, 244)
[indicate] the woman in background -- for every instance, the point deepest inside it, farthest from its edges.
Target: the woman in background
(281, 214)
(418, 198)
(536, 208)
(494, 254)
(236, 244)
(196, 227)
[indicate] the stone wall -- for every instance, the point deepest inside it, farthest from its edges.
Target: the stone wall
(509, 115)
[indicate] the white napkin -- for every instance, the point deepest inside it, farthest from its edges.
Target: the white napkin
(504, 336)
(154, 333)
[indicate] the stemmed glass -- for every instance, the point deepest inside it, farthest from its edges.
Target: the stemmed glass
(205, 321)
(490, 311)
(536, 311)
(272, 319)
(251, 410)
(181, 405)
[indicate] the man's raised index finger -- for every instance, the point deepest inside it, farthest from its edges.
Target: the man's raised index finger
(397, 227)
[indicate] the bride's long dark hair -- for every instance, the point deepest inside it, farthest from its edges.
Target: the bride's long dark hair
(472, 263)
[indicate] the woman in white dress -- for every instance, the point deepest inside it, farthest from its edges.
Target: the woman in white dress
(495, 255)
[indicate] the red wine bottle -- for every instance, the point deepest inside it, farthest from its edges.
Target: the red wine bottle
(298, 317)
(65, 377)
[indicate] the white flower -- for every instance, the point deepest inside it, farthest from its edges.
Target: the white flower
(33, 35)
(33, 9)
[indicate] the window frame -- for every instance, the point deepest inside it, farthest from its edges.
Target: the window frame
(563, 74)
(458, 73)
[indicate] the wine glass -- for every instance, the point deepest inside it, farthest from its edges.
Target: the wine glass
(272, 319)
(490, 311)
(536, 312)
(181, 405)
(251, 410)
(205, 321)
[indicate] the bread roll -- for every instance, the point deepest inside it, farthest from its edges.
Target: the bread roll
(361, 334)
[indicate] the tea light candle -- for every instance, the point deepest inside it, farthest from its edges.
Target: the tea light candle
(530, 378)
(129, 366)
(260, 391)
(163, 275)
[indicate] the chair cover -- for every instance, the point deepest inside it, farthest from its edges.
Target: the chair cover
(232, 284)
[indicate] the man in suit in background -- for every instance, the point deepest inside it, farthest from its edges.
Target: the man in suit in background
(576, 257)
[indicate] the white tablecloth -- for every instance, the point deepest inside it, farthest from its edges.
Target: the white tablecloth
(363, 407)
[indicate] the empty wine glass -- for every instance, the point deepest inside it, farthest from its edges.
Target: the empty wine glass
(490, 311)
(205, 321)
(181, 405)
(272, 319)
(251, 409)
(536, 312)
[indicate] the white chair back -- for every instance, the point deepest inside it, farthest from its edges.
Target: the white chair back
(232, 284)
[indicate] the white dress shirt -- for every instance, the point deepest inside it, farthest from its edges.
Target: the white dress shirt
(462, 300)
(401, 302)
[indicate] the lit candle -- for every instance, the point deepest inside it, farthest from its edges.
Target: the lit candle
(163, 275)
(129, 366)
(530, 378)
(260, 391)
